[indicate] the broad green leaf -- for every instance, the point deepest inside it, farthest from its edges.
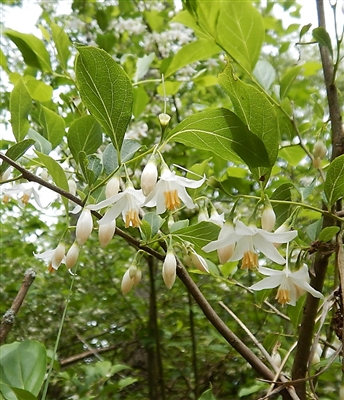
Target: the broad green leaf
(334, 183)
(251, 389)
(283, 192)
(171, 88)
(41, 143)
(129, 148)
(154, 20)
(110, 160)
(13, 393)
(33, 49)
(292, 154)
(146, 230)
(313, 230)
(265, 73)
(288, 78)
(124, 382)
(141, 100)
(207, 395)
(328, 233)
(52, 124)
(15, 152)
(199, 234)
(84, 134)
(194, 51)
(221, 132)
(236, 26)
(254, 109)
(179, 225)
(3, 61)
(62, 43)
(106, 91)
(304, 30)
(91, 166)
(322, 37)
(57, 173)
(155, 222)
(38, 90)
(23, 365)
(142, 66)
(20, 107)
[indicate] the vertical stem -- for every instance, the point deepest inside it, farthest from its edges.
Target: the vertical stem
(300, 365)
(194, 346)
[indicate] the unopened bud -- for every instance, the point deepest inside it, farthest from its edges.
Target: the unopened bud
(127, 283)
(225, 253)
(149, 177)
(169, 269)
(199, 262)
(316, 162)
(44, 174)
(106, 232)
(268, 218)
(319, 150)
(138, 276)
(58, 255)
(84, 226)
(276, 359)
(112, 187)
(72, 186)
(72, 255)
(164, 119)
(203, 215)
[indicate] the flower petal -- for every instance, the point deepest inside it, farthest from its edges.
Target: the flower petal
(268, 249)
(268, 283)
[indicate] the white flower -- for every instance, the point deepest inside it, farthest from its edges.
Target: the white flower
(149, 177)
(248, 239)
(169, 269)
(268, 219)
(224, 252)
(131, 277)
(127, 202)
(112, 187)
(24, 192)
(84, 226)
(72, 186)
(292, 285)
(198, 261)
(55, 257)
(169, 190)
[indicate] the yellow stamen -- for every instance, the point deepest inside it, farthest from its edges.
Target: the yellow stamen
(283, 296)
(51, 269)
(25, 198)
(132, 219)
(172, 201)
(250, 260)
(6, 199)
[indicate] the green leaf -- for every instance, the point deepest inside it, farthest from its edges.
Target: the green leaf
(57, 174)
(179, 225)
(3, 61)
(110, 160)
(199, 234)
(283, 192)
(304, 30)
(129, 148)
(313, 230)
(155, 222)
(53, 125)
(41, 143)
(13, 393)
(20, 107)
(288, 78)
(106, 91)
(141, 100)
(15, 152)
(142, 66)
(334, 183)
(38, 90)
(234, 19)
(199, 50)
(90, 166)
(322, 37)
(33, 49)
(221, 132)
(207, 395)
(62, 43)
(328, 233)
(84, 134)
(23, 365)
(292, 154)
(254, 109)
(265, 73)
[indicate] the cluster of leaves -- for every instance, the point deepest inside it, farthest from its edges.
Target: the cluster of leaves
(87, 100)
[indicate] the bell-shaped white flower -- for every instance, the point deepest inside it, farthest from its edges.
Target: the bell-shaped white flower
(169, 269)
(84, 226)
(106, 232)
(72, 255)
(247, 240)
(54, 256)
(169, 190)
(224, 252)
(112, 187)
(291, 285)
(127, 202)
(149, 177)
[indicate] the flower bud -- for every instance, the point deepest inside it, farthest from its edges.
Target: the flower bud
(203, 215)
(169, 269)
(164, 119)
(112, 187)
(5, 175)
(316, 162)
(225, 253)
(319, 150)
(199, 262)
(276, 359)
(44, 174)
(72, 186)
(84, 226)
(72, 255)
(106, 232)
(58, 255)
(127, 283)
(268, 219)
(149, 177)
(138, 276)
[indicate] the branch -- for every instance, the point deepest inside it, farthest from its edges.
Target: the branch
(300, 365)
(9, 316)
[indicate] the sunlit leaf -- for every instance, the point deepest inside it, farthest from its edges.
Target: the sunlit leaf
(334, 183)
(20, 107)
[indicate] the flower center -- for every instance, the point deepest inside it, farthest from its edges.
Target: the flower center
(171, 199)
(250, 260)
(283, 296)
(132, 218)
